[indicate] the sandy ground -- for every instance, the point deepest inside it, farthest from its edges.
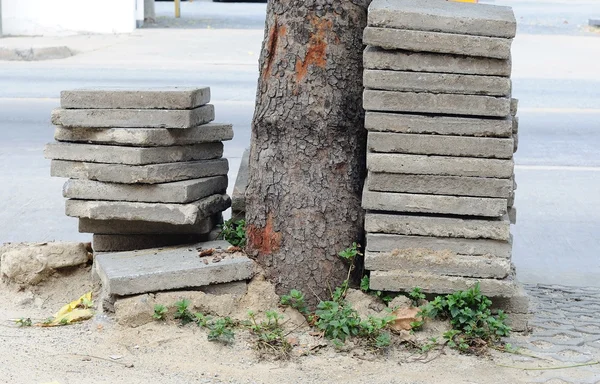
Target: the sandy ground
(163, 352)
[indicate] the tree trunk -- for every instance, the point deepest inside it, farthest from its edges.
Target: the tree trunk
(307, 157)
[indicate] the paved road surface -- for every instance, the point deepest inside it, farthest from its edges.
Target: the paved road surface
(555, 76)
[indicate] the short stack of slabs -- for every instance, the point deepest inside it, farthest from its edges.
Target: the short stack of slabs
(145, 166)
(440, 123)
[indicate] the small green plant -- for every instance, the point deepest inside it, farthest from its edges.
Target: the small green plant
(201, 319)
(182, 312)
(364, 284)
(469, 312)
(159, 312)
(295, 300)
(372, 331)
(416, 295)
(351, 252)
(431, 344)
(337, 320)
(234, 232)
(64, 321)
(221, 330)
(24, 322)
(270, 334)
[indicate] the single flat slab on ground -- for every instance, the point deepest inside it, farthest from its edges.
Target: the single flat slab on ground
(238, 197)
(443, 16)
(154, 270)
(438, 226)
(439, 165)
(119, 242)
(133, 118)
(114, 154)
(439, 125)
(177, 214)
(176, 192)
(131, 98)
(146, 137)
(400, 60)
(438, 42)
(134, 174)
(440, 185)
(437, 204)
(436, 82)
(438, 103)
(486, 147)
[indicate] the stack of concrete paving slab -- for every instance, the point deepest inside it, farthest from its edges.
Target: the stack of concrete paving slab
(145, 166)
(440, 123)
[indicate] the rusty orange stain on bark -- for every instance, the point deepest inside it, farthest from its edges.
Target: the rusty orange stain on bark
(277, 32)
(317, 46)
(264, 240)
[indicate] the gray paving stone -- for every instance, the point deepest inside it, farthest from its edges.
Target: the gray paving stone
(438, 42)
(516, 304)
(439, 185)
(133, 118)
(176, 192)
(398, 60)
(451, 205)
(442, 16)
(514, 106)
(515, 125)
(238, 197)
(177, 214)
(146, 137)
(144, 174)
(414, 102)
(137, 227)
(153, 270)
(438, 262)
(440, 125)
(486, 147)
(512, 214)
(401, 281)
(112, 154)
(439, 165)
(436, 82)
(438, 226)
(118, 243)
(515, 142)
(518, 322)
(380, 242)
(127, 98)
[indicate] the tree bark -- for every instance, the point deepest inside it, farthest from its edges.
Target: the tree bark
(307, 156)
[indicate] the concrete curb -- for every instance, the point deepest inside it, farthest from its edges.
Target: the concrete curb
(35, 54)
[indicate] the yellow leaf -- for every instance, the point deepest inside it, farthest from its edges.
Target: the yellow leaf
(77, 310)
(74, 304)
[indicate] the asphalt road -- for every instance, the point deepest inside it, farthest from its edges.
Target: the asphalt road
(555, 76)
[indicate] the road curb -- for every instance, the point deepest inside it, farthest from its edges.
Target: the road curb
(35, 54)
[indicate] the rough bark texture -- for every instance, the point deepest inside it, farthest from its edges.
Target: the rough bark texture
(308, 144)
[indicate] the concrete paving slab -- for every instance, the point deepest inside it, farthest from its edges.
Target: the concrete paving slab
(238, 197)
(443, 16)
(399, 60)
(132, 98)
(176, 192)
(514, 106)
(414, 102)
(401, 281)
(515, 125)
(146, 137)
(113, 154)
(438, 226)
(133, 118)
(177, 214)
(153, 270)
(143, 174)
(450, 205)
(512, 214)
(423, 144)
(440, 125)
(437, 262)
(436, 82)
(515, 142)
(137, 227)
(519, 303)
(439, 185)
(438, 42)
(439, 165)
(383, 242)
(118, 243)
